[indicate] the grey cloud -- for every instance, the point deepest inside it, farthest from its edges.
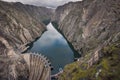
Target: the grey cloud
(46, 3)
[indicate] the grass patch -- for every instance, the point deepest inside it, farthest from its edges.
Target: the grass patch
(108, 66)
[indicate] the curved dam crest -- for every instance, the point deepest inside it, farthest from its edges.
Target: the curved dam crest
(53, 45)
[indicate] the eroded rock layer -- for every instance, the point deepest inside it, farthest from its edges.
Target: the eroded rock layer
(93, 28)
(90, 23)
(21, 23)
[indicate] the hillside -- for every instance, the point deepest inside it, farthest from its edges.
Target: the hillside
(21, 23)
(90, 26)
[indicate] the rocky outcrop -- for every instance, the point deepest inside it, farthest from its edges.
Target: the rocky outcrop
(62, 11)
(90, 24)
(37, 12)
(20, 23)
(87, 68)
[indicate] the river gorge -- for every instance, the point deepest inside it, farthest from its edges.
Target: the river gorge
(82, 41)
(53, 45)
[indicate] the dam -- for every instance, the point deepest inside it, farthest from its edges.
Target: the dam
(17, 66)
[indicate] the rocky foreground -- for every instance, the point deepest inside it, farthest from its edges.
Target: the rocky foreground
(17, 66)
(93, 28)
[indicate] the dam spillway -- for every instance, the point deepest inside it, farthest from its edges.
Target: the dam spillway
(38, 66)
(17, 66)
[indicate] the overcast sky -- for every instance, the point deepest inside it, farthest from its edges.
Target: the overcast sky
(46, 3)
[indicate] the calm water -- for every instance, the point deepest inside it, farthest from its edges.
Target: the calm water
(54, 47)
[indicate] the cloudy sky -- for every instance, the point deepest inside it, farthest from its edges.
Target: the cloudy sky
(47, 3)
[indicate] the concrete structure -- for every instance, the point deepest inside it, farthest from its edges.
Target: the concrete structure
(17, 66)
(38, 66)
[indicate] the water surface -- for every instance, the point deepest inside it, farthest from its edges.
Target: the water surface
(54, 47)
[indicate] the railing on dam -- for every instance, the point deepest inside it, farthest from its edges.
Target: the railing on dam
(39, 68)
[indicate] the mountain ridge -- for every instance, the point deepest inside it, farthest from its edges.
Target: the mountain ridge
(90, 26)
(19, 26)
(23, 19)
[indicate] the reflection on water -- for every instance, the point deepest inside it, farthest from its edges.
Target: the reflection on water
(54, 46)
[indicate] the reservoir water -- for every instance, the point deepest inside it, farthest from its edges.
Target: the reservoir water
(53, 45)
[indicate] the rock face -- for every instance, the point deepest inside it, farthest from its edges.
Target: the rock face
(90, 23)
(93, 28)
(62, 11)
(21, 23)
(36, 12)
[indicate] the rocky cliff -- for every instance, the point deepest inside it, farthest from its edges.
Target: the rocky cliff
(91, 26)
(37, 12)
(21, 23)
(62, 11)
